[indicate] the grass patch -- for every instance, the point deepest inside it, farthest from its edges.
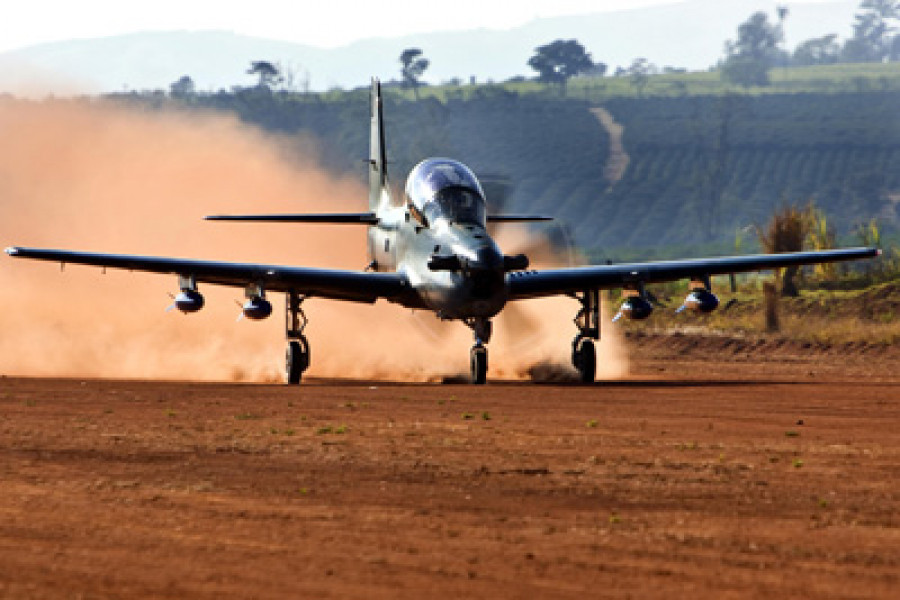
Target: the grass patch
(326, 429)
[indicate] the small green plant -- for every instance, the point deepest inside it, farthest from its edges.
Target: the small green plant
(170, 412)
(467, 416)
(339, 430)
(485, 416)
(614, 518)
(303, 491)
(288, 432)
(797, 463)
(792, 434)
(592, 423)
(823, 503)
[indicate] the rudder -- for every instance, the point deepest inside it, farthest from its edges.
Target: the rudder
(378, 179)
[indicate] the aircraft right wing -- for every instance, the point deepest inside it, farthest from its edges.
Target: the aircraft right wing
(335, 284)
(549, 282)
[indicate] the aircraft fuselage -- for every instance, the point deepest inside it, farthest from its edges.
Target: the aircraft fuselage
(467, 279)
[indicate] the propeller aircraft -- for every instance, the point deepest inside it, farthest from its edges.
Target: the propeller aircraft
(433, 252)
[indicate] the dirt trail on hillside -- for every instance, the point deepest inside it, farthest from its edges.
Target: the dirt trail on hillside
(618, 160)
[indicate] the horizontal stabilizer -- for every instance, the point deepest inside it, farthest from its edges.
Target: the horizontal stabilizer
(367, 218)
(516, 218)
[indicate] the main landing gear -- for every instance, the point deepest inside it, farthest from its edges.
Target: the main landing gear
(478, 356)
(297, 354)
(584, 355)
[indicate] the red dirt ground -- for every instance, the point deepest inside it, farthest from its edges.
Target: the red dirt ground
(739, 477)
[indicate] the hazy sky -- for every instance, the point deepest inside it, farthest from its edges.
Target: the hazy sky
(317, 22)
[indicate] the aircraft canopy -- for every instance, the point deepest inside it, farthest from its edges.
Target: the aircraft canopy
(443, 188)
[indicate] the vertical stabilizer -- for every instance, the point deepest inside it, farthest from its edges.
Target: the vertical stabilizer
(378, 180)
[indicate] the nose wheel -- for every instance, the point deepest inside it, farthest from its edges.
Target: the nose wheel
(478, 356)
(478, 360)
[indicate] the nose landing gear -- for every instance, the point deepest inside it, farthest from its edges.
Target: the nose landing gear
(297, 354)
(584, 355)
(478, 356)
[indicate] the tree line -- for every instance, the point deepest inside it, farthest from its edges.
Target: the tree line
(747, 61)
(758, 47)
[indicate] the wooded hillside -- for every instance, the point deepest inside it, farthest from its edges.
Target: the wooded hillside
(700, 166)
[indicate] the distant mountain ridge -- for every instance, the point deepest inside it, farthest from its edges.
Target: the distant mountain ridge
(688, 34)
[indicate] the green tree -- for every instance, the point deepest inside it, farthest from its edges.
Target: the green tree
(560, 60)
(873, 32)
(183, 88)
(749, 58)
(268, 73)
(818, 51)
(639, 74)
(413, 65)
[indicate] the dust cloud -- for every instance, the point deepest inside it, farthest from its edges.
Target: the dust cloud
(90, 175)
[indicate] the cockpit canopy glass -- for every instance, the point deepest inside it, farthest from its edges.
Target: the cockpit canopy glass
(442, 188)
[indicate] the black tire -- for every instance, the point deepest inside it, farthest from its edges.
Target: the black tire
(586, 361)
(296, 360)
(479, 365)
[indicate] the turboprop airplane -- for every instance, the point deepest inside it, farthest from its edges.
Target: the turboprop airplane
(432, 251)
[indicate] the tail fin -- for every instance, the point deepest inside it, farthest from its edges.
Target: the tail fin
(378, 178)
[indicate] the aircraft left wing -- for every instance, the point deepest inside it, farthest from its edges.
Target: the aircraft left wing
(336, 284)
(536, 284)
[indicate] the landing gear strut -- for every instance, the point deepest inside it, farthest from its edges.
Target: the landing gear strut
(478, 356)
(297, 355)
(584, 355)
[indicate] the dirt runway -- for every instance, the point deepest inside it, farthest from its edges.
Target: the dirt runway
(716, 483)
